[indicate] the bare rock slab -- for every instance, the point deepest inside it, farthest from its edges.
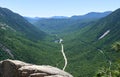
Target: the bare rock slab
(15, 68)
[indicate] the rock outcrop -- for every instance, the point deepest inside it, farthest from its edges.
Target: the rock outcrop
(15, 68)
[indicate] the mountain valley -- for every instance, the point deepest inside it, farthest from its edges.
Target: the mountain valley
(87, 40)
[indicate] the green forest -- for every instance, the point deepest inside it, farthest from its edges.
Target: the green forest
(91, 45)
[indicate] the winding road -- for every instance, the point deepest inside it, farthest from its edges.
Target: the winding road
(63, 53)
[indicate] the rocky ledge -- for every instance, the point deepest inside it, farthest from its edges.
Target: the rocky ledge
(15, 68)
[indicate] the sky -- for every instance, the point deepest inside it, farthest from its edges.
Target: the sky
(48, 8)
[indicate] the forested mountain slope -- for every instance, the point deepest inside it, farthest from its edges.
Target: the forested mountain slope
(86, 46)
(21, 40)
(18, 23)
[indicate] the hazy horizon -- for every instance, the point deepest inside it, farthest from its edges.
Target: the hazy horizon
(50, 8)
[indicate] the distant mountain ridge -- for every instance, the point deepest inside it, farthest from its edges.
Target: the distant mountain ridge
(59, 17)
(60, 23)
(93, 15)
(88, 15)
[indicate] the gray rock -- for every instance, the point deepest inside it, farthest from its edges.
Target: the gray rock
(9, 68)
(38, 75)
(15, 68)
(55, 76)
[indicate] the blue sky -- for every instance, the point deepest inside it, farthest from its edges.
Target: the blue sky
(48, 8)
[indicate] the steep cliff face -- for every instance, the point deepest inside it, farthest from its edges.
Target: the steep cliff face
(15, 68)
